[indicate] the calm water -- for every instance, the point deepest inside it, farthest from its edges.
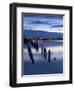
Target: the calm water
(41, 65)
(48, 43)
(53, 67)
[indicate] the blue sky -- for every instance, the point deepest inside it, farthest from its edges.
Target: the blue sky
(36, 22)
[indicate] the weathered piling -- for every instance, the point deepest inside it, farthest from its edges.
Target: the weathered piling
(49, 55)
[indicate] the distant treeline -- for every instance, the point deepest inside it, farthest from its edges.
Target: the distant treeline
(48, 39)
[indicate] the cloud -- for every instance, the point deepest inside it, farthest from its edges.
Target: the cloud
(42, 22)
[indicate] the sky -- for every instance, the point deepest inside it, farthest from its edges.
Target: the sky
(42, 22)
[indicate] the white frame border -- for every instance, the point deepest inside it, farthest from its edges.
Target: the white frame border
(49, 77)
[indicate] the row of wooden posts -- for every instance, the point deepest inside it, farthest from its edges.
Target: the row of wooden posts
(44, 53)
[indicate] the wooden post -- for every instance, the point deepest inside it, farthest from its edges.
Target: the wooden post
(49, 55)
